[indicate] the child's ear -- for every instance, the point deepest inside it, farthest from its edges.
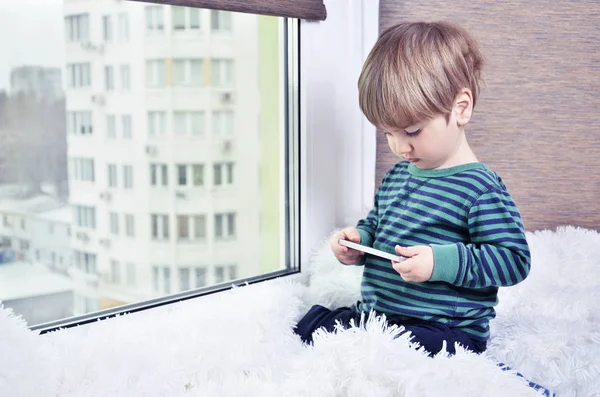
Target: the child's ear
(463, 107)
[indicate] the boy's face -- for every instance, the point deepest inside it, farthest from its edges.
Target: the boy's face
(435, 143)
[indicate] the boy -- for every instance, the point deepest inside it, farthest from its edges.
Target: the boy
(449, 214)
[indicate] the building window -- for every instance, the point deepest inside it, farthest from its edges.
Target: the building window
(187, 72)
(125, 83)
(223, 173)
(198, 173)
(129, 225)
(220, 21)
(167, 280)
(107, 28)
(123, 27)
(157, 123)
(158, 175)
(222, 72)
(114, 223)
(85, 261)
(126, 125)
(115, 272)
(183, 231)
(191, 227)
(185, 18)
(156, 278)
(77, 27)
(127, 176)
(225, 225)
(188, 123)
(112, 175)
(78, 75)
(181, 175)
(81, 169)
(79, 123)
(109, 78)
(160, 226)
(184, 279)
(111, 126)
(200, 227)
(85, 216)
(222, 122)
(155, 73)
(232, 269)
(130, 274)
(219, 274)
(200, 277)
(155, 19)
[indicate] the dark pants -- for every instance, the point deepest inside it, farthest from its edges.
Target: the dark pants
(430, 335)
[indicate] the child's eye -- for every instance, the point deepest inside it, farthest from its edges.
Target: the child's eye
(413, 132)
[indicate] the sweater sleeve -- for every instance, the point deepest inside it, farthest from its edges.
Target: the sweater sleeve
(497, 254)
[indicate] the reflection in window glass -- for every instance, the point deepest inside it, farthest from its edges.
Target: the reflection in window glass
(142, 187)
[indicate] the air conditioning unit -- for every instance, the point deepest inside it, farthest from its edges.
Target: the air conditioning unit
(105, 242)
(226, 146)
(98, 99)
(106, 196)
(151, 150)
(226, 97)
(83, 236)
(88, 46)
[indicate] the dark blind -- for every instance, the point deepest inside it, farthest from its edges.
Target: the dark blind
(302, 9)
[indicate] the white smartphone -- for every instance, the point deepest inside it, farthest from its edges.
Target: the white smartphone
(372, 251)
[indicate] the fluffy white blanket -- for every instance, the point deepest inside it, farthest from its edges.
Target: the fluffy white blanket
(240, 343)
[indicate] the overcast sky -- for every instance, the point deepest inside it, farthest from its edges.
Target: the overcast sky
(31, 33)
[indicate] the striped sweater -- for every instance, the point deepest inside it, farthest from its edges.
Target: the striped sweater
(467, 216)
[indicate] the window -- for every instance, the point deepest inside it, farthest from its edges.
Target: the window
(155, 73)
(109, 78)
(232, 269)
(222, 122)
(219, 274)
(127, 176)
(188, 123)
(125, 83)
(123, 27)
(153, 189)
(157, 123)
(79, 123)
(224, 226)
(220, 20)
(160, 226)
(112, 175)
(198, 174)
(126, 125)
(223, 174)
(222, 72)
(182, 175)
(77, 27)
(107, 29)
(111, 126)
(114, 223)
(115, 272)
(155, 19)
(22, 224)
(185, 18)
(78, 75)
(200, 277)
(158, 175)
(131, 276)
(85, 216)
(129, 225)
(85, 261)
(187, 72)
(81, 169)
(167, 280)
(184, 279)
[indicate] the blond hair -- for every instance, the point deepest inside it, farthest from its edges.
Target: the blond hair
(414, 72)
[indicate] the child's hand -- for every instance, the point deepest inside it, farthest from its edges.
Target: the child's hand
(343, 254)
(419, 265)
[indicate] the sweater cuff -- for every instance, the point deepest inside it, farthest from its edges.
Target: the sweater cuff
(445, 263)
(365, 238)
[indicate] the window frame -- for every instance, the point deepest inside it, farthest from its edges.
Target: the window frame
(291, 216)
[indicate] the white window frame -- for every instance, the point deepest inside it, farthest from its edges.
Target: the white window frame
(129, 225)
(77, 27)
(223, 19)
(223, 72)
(154, 17)
(223, 122)
(107, 28)
(162, 232)
(111, 126)
(123, 21)
(126, 126)
(127, 176)
(79, 75)
(159, 174)
(79, 123)
(156, 73)
(125, 77)
(157, 123)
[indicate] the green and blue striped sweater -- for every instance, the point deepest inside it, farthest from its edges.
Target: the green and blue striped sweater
(467, 216)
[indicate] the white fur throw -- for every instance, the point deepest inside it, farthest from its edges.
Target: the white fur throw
(240, 342)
